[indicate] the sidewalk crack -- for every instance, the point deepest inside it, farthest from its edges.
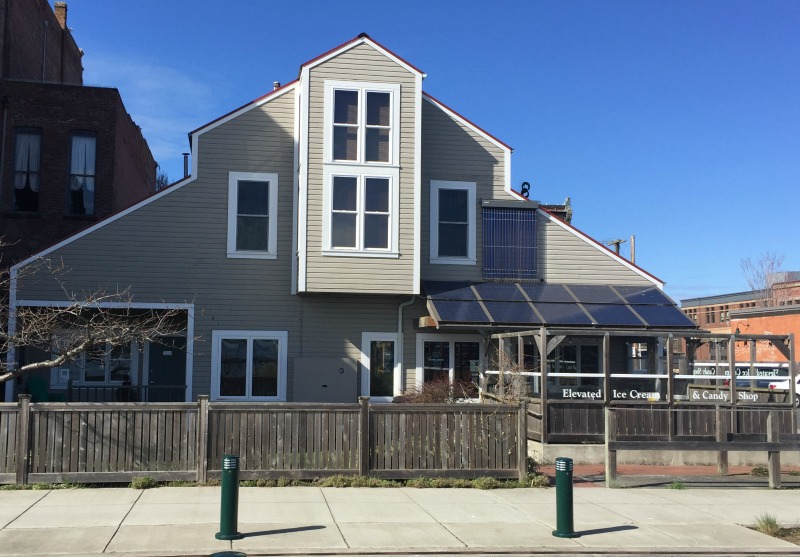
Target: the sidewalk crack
(327, 504)
(116, 530)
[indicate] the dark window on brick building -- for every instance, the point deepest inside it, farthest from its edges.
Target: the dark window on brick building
(27, 158)
(82, 174)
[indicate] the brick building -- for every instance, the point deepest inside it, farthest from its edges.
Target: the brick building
(69, 155)
(773, 311)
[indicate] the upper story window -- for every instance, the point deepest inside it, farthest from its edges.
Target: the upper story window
(509, 241)
(252, 215)
(361, 216)
(453, 214)
(83, 154)
(27, 158)
(362, 123)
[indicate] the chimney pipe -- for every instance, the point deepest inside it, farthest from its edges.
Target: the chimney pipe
(61, 14)
(185, 165)
(276, 85)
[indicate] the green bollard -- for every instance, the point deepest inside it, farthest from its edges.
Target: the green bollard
(229, 506)
(565, 527)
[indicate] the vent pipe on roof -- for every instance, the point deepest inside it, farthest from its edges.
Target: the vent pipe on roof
(276, 85)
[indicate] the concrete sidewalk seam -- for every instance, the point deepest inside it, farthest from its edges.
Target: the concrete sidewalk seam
(330, 510)
(116, 530)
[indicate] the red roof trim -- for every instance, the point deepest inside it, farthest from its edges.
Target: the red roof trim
(605, 248)
(470, 122)
(258, 100)
(357, 39)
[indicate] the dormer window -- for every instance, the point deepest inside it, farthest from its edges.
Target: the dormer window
(361, 123)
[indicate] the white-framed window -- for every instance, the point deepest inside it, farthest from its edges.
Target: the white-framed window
(453, 215)
(362, 123)
(360, 218)
(27, 158)
(452, 357)
(102, 364)
(253, 215)
(82, 174)
(380, 369)
(249, 365)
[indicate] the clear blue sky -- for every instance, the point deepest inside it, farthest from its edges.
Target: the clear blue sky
(676, 121)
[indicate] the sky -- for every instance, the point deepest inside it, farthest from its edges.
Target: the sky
(677, 122)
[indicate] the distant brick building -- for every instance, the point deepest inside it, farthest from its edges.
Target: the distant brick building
(70, 155)
(776, 311)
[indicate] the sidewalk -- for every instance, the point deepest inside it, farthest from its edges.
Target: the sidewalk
(308, 520)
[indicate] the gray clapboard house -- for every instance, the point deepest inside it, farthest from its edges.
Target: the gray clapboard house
(346, 234)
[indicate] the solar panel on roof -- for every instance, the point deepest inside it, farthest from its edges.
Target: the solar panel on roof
(547, 293)
(664, 316)
(636, 295)
(512, 313)
(456, 311)
(442, 290)
(499, 291)
(594, 294)
(562, 314)
(612, 314)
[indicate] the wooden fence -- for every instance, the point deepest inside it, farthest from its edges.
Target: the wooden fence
(720, 429)
(115, 442)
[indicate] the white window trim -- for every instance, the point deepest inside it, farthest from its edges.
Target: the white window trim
(470, 188)
(233, 181)
(430, 337)
(366, 340)
(363, 87)
(216, 348)
(393, 175)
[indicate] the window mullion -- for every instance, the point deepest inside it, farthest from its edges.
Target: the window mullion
(362, 126)
(248, 373)
(360, 210)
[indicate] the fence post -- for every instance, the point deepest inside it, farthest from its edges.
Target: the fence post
(202, 439)
(23, 439)
(722, 437)
(773, 457)
(611, 454)
(364, 437)
(522, 439)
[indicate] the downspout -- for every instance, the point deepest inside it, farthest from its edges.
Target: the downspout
(400, 343)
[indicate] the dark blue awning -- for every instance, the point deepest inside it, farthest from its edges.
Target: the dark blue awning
(511, 304)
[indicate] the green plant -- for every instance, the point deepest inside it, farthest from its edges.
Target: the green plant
(676, 485)
(768, 524)
(759, 471)
(794, 472)
(532, 467)
(486, 483)
(181, 483)
(143, 482)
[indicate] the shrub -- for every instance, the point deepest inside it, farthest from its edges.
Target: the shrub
(143, 482)
(486, 483)
(676, 485)
(439, 391)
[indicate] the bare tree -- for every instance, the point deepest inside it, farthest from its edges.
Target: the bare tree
(162, 180)
(762, 275)
(82, 321)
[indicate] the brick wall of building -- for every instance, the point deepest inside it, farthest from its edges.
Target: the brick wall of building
(30, 26)
(58, 111)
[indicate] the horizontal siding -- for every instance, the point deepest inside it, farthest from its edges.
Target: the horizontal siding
(347, 274)
(566, 258)
(174, 249)
(452, 151)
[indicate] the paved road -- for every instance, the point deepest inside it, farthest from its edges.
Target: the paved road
(308, 520)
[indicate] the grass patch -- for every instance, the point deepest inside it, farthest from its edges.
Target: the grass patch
(181, 483)
(794, 472)
(759, 472)
(143, 482)
(768, 524)
(676, 485)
